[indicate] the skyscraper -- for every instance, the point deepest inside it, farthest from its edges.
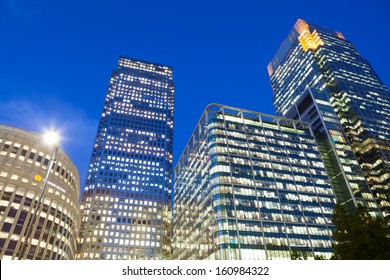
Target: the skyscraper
(320, 60)
(126, 203)
(251, 186)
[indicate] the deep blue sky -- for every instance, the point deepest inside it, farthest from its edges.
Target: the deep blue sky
(56, 57)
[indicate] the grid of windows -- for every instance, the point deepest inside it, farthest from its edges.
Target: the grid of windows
(22, 157)
(251, 186)
(126, 202)
(327, 61)
(347, 178)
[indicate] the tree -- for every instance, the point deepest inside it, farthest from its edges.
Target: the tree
(359, 236)
(295, 255)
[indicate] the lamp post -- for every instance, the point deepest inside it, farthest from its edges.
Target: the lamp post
(52, 139)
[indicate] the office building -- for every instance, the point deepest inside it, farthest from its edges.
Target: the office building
(126, 203)
(316, 60)
(344, 171)
(251, 186)
(24, 160)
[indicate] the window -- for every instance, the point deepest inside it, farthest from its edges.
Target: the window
(6, 147)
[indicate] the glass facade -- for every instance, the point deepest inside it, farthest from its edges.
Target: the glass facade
(344, 171)
(23, 157)
(251, 186)
(324, 60)
(126, 203)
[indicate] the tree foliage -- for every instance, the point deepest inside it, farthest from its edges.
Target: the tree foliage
(359, 236)
(295, 255)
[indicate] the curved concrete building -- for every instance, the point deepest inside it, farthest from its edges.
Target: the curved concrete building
(24, 159)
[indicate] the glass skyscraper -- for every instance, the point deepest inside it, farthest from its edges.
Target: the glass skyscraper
(343, 169)
(320, 60)
(126, 204)
(251, 186)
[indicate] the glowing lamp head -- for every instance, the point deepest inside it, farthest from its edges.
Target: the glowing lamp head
(51, 138)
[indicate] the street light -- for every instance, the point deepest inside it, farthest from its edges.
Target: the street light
(51, 138)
